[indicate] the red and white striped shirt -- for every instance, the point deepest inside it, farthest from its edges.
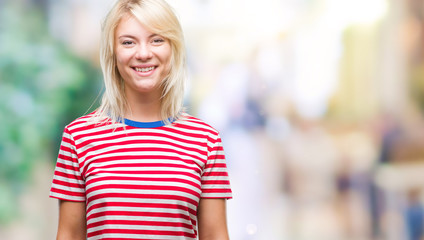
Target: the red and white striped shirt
(143, 181)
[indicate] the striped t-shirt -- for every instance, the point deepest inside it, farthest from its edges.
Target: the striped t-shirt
(140, 180)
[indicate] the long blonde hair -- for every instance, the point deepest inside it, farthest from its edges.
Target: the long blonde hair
(158, 17)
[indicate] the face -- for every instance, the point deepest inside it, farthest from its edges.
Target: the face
(142, 57)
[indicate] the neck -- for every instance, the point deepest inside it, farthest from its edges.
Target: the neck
(143, 107)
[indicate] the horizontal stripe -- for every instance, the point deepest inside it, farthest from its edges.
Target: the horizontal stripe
(170, 176)
(176, 198)
(141, 184)
(143, 201)
(66, 179)
(68, 185)
(64, 193)
(146, 145)
(98, 221)
(131, 136)
(146, 157)
(154, 206)
(215, 186)
(148, 192)
(136, 224)
(142, 232)
(142, 180)
(127, 236)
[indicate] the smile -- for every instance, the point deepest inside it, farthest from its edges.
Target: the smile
(148, 69)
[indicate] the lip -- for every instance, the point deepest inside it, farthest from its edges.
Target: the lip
(144, 74)
(143, 66)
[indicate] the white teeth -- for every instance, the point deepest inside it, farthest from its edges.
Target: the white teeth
(144, 69)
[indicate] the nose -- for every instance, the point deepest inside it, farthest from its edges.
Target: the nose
(143, 52)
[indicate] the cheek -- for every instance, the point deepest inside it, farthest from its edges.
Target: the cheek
(166, 53)
(167, 59)
(121, 63)
(168, 66)
(123, 55)
(121, 58)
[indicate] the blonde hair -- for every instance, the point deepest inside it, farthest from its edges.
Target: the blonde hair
(158, 17)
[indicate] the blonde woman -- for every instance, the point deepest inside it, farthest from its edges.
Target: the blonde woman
(139, 167)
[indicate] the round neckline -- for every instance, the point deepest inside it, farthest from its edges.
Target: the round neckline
(137, 124)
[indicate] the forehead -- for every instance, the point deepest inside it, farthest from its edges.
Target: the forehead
(129, 25)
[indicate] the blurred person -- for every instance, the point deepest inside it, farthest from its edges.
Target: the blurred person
(139, 167)
(388, 129)
(311, 157)
(414, 215)
(357, 153)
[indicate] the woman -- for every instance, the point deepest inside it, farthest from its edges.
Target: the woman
(138, 167)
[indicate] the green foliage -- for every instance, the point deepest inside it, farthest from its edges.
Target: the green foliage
(43, 86)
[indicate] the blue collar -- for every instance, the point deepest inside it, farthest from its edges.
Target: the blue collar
(145, 124)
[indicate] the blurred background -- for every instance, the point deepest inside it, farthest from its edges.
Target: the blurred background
(319, 103)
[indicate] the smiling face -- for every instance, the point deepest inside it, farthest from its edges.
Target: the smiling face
(142, 57)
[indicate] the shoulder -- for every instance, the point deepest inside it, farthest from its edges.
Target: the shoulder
(82, 120)
(193, 123)
(86, 122)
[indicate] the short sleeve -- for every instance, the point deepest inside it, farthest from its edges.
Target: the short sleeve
(67, 181)
(215, 179)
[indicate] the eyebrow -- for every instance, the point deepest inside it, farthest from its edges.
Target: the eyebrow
(131, 36)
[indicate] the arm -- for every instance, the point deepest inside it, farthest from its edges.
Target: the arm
(212, 221)
(72, 221)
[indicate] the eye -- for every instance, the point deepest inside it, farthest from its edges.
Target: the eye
(127, 42)
(158, 41)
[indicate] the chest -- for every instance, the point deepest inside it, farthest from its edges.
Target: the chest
(142, 166)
